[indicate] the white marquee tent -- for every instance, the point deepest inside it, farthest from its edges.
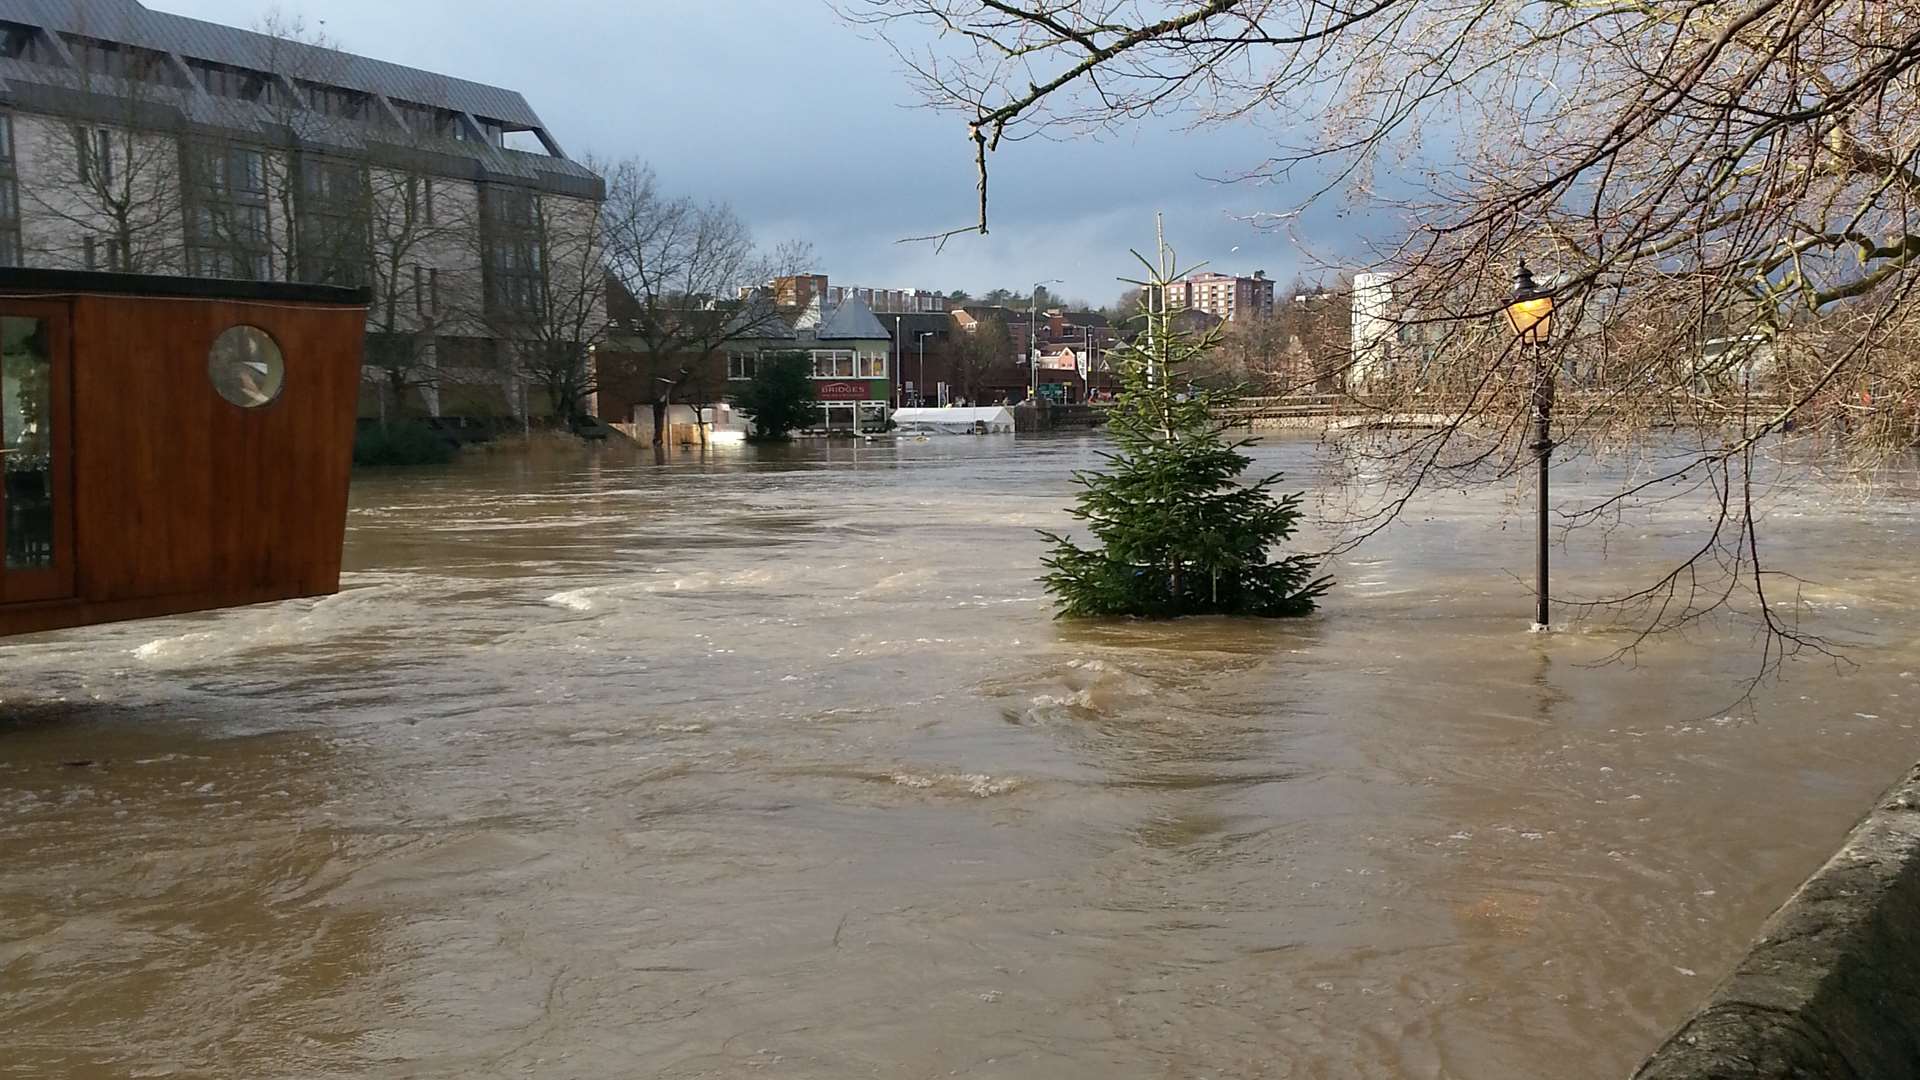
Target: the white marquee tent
(988, 420)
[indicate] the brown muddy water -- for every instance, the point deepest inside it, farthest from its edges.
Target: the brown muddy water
(774, 765)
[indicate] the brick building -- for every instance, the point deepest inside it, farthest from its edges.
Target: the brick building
(1226, 297)
(1069, 348)
(800, 290)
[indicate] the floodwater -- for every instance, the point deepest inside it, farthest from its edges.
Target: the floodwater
(773, 764)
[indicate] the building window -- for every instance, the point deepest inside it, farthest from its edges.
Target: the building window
(515, 259)
(426, 290)
(9, 197)
(246, 367)
(225, 81)
(740, 366)
(94, 155)
(21, 42)
(840, 416)
(833, 363)
(427, 200)
(873, 366)
(113, 60)
(335, 222)
(422, 120)
(228, 213)
(334, 100)
(102, 254)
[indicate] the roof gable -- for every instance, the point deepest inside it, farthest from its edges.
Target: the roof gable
(853, 320)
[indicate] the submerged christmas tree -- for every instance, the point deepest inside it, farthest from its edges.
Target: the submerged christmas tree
(1178, 533)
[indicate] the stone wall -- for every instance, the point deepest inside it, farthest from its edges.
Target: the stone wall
(1832, 988)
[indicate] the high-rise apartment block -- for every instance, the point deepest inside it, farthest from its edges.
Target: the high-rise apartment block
(1226, 297)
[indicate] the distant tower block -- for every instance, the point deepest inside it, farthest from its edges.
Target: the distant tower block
(1373, 327)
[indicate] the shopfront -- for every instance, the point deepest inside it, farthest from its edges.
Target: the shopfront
(853, 405)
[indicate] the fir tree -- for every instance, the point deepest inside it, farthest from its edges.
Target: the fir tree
(779, 398)
(1178, 533)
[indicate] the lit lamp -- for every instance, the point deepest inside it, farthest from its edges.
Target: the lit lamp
(1530, 312)
(1530, 315)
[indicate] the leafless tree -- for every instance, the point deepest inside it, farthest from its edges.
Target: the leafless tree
(1315, 326)
(1721, 196)
(546, 292)
(118, 205)
(1126, 310)
(415, 299)
(422, 236)
(679, 267)
(969, 357)
(1253, 356)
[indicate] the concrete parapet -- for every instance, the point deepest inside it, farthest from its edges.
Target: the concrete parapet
(1832, 987)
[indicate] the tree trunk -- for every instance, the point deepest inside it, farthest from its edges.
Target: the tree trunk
(660, 421)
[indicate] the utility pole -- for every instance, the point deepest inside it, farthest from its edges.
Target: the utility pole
(1033, 334)
(1033, 344)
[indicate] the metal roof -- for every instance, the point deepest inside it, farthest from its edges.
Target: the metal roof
(759, 319)
(853, 320)
(60, 90)
(128, 22)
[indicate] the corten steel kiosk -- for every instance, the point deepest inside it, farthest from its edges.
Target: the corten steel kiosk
(170, 445)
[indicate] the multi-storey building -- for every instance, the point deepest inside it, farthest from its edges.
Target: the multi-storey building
(137, 141)
(794, 291)
(1226, 297)
(890, 301)
(799, 290)
(1390, 343)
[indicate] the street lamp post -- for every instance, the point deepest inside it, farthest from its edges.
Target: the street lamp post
(1530, 314)
(920, 388)
(1033, 335)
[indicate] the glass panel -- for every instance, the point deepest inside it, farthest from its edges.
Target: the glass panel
(26, 426)
(246, 367)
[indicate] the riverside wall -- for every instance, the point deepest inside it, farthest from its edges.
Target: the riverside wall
(1832, 986)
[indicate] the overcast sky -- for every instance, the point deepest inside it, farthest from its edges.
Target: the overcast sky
(811, 131)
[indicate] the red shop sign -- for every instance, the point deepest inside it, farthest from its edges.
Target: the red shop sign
(841, 391)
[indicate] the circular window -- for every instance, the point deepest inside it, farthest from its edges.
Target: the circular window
(246, 367)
